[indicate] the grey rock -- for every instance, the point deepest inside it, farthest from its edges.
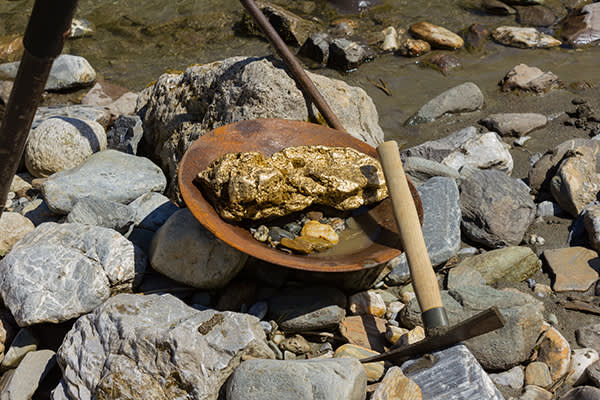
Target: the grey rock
(514, 124)
(79, 111)
(503, 348)
(593, 373)
(60, 392)
(142, 238)
(25, 380)
(308, 308)
(466, 97)
(24, 342)
(512, 378)
(332, 379)
(462, 275)
(316, 47)
(174, 115)
(38, 212)
(486, 151)
(582, 27)
(152, 210)
(259, 309)
(420, 170)
(100, 212)
(437, 150)
(496, 209)
(80, 265)
(184, 250)
(124, 106)
(346, 55)
(582, 393)
(441, 224)
(156, 347)
(591, 221)
(125, 134)
(589, 336)
(532, 392)
(455, 375)
(109, 174)
(68, 72)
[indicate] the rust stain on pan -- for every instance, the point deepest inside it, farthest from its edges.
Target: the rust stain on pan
(269, 136)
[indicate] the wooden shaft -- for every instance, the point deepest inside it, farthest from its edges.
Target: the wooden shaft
(423, 277)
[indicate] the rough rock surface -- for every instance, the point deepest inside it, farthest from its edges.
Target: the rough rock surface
(582, 27)
(462, 98)
(514, 124)
(486, 151)
(395, 385)
(530, 79)
(249, 186)
(525, 38)
(109, 174)
(80, 265)
(346, 55)
(185, 251)
(156, 347)
(496, 209)
(334, 379)
(437, 150)
(13, 226)
(61, 143)
(183, 107)
(125, 134)
(78, 111)
(100, 212)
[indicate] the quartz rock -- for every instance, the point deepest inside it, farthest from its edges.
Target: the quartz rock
(248, 186)
(156, 347)
(525, 38)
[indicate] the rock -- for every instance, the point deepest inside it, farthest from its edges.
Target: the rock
(5, 89)
(535, 393)
(81, 28)
(152, 210)
(591, 220)
(374, 370)
(106, 213)
(173, 120)
(61, 143)
(156, 347)
(124, 105)
(451, 374)
(420, 170)
(524, 38)
(555, 352)
(574, 268)
(238, 295)
(436, 35)
(593, 373)
(68, 72)
(316, 47)
(315, 229)
(462, 275)
(346, 55)
(414, 47)
(292, 29)
(21, 183)
(466, 97)
(512, 378)
(497, 7)
(24, 342)
(394, 333)
(125, 134)
(510, 264)
(437, 150)
(581, 359)
(581, 393)
(298, 380)
(128, 177)
(576, 183)
(13, 227)
(411, 337)
(103, 94)
(365, 331)
(11, 48)
(582, 27)
(535, 16)
(38, 212)
(549, 209)
(443, 62)
(81, 265)
(77, 111)
(441, 225)
(538, 374)
(390, 41)
(531, 79)
(25, 380)
(485, 151)
(496, 209)
(184, 250)
(395, 385)
(514, 124)
(296, 344)
(308, 308)
(249, 186)
(368, 302)
(476, 36)
(588, 336)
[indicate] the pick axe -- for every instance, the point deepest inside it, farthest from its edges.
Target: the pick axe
(439, 334)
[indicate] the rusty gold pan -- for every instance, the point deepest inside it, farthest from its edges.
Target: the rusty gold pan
(269, 136)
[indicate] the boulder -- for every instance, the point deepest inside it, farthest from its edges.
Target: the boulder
(109, 174)
(61, 143)
(525, 38)
(333, 379)
(156, 347)
(81, 264)
(185, 251)
(582, 26)
(530, 79)
(181, 107)
(496, 209)
(78, 111)
(466, 97)
(573, 268)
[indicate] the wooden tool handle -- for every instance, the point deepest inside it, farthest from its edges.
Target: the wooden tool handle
(423, 277)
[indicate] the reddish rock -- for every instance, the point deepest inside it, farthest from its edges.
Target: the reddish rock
(365, 330)
(571, 267)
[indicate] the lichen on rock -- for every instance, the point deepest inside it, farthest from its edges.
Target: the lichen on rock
(249, 186)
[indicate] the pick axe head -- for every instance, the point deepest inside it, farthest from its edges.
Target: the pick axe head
(439, 334)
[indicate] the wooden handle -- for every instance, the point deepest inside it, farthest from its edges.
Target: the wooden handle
(423, 277)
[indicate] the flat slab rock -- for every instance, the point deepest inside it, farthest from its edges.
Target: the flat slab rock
(109, 175)
(80, 265)
(530, 79)
(574, 268)
(155, 347)
(514, 124)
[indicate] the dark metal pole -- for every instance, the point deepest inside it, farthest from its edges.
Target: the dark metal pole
(294, 66)
(48, 27)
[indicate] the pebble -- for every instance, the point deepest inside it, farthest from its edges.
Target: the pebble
(13, 227)
(535, 393)
(414, 47)
(525, 38)
(537, 373)
(514, 124)
(462, 98)
(295, 344)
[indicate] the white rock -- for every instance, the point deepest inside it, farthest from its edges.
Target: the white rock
(484, 152)
(522, 37)
(513, 378)
(390, 41)
(580, 360)
(368, 302)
